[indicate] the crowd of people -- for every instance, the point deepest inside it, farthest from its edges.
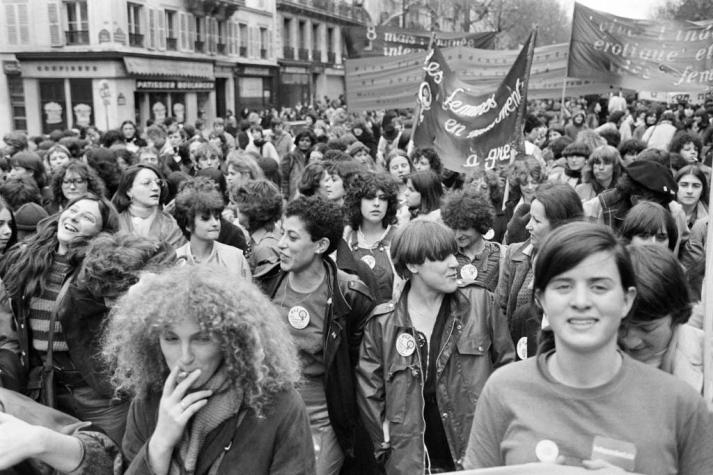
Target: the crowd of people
(259, 295)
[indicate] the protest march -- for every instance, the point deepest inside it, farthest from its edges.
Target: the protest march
(473, 259)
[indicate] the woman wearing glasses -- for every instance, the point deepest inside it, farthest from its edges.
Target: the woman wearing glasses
(71, 180)
(139, 200)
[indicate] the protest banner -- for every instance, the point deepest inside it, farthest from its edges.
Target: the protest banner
(368, 41)
(391, 82)
(470, 130)
(641, 54)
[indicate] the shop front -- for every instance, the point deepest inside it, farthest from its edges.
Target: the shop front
(255, 87)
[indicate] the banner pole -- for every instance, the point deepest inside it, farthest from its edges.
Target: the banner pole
(564, 92)
(410, 145)
(708, 316)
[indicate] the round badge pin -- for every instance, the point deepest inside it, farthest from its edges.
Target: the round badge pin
(521, 348)
(369, 260)
(298, 317)
(546, 451)
(469, 273)
(405, 344)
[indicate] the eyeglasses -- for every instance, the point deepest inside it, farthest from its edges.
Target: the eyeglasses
(74, 182)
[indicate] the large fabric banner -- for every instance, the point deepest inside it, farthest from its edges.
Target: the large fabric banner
(392, 82)
(367, 41)
(641, 54)
(472, 130)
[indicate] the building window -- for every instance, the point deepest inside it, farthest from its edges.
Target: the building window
(222, 40)
(171, 39)
(133, 13)
(303, 52)
(243, 40)
(331, 56)
(17, 102)
(316, 51)
(77, 31)
(264, 42)
(17, 24)
(200, 35)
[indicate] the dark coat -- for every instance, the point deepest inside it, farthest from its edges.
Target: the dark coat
(278, 443)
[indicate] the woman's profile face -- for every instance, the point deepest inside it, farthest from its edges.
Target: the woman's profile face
(5, 228)
(646, 341)
(538, 226)
(586, 304)
(439, 276)
(185, 345)
(412, 196)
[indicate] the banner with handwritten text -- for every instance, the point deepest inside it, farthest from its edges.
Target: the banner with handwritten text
(472, 130)
(368, 41)
(641, 54)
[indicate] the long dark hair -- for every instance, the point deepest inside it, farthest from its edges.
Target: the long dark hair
(121, 200)
(24, 269)
(13, 225)
(428, 184)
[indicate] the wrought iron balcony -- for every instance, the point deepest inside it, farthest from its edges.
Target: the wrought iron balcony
(171, 44)
(219, 9)
(136, 39)
(221, 47)
(198, 45)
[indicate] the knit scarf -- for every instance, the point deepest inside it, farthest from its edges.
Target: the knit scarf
(222, 405)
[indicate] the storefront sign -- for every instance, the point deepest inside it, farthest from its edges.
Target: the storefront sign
(159, 84)
(250, 71)
(11, 67)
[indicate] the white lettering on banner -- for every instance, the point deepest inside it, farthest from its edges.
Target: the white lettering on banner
(433, 69)
(510, 106)
(467, 110)
(454, 127)
(494, 156)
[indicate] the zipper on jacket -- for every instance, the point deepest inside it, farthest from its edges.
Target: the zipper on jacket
(422, 382)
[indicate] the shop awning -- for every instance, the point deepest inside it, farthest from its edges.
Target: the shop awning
(169, 68)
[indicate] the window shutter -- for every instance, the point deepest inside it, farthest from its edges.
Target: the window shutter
(12, 26)
(56, 33)
(152, 29)
(269, 44)
(161, 43)
(191, 31)
(254, 33)
(212, 25)
(23, 22)
(183, 30)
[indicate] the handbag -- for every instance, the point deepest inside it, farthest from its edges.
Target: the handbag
(40, 385)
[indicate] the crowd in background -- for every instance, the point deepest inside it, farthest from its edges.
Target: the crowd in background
(304, 291)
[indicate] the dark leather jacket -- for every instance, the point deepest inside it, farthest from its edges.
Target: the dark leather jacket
(347, 310)
(475, 341)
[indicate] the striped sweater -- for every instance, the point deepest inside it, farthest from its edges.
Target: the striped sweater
(41, 308)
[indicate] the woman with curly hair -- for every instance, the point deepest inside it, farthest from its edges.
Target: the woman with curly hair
(71, 180)
(198, 211)
(213, 371)
(525, 174)
(36, 275)
(371, 204)
(259, 205)
(470, 215)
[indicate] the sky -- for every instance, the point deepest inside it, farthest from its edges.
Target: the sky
(625, 8)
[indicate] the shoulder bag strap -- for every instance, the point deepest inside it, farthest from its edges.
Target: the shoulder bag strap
(48, 366)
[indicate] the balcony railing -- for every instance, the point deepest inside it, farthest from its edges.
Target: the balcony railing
(243, 51)
(317, 55)
(221, 47)
(77, 37)
(171, 44)
(198, 45)
(136, 39)
(288, 52)
(303, 54)
(263, 53)
(331, 57)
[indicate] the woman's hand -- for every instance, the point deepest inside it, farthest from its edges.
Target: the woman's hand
(174, 411)
(20, 441)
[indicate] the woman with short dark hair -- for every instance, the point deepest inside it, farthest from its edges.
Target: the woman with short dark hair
(649, 222)
(585, 402)
(425, 358)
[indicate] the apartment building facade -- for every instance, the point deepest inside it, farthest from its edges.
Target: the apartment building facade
(69, 63)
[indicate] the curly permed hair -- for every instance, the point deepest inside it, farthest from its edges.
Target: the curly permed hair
(365, 187)
(258, 352)
(95, 184)
(113, 262)
(468, 209)
(321, 218)
(261, 202)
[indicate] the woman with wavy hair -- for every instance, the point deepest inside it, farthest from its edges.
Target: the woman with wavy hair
(213, 371)
(371, 203)
(71, 180)
(259, 205)
(35, 275)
